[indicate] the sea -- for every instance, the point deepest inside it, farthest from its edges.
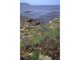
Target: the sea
(43, 13)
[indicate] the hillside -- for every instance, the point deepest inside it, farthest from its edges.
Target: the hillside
(26, 4)
(40, 42)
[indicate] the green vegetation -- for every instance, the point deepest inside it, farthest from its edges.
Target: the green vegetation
(22, 44)
(44, 36)
(35, 55)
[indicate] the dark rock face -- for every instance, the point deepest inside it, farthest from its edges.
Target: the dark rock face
(26, 22)
(35, 22)
(29, 20)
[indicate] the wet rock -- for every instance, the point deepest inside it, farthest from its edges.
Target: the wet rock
(29, 20)
(26, 22)
(35, 23)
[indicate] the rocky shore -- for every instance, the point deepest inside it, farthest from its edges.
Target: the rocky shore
(39, 41)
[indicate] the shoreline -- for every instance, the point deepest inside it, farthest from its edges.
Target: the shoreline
(28, 22)
(36, 19)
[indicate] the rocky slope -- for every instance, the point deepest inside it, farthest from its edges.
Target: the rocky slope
(40, 41)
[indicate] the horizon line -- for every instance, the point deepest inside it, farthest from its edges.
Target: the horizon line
(39, 4)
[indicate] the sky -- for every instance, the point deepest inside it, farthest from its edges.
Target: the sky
(42, 2)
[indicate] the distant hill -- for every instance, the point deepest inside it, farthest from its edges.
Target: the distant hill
(25, 4)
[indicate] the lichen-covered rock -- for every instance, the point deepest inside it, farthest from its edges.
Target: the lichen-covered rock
(44, 57)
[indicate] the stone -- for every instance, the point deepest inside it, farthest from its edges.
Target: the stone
(44, 57)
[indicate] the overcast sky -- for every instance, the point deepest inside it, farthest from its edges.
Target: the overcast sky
(42, 2)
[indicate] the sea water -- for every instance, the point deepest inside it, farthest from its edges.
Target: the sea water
(41, 12)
